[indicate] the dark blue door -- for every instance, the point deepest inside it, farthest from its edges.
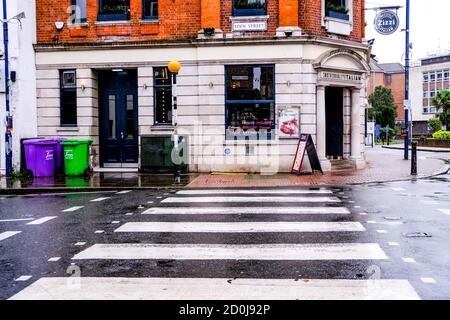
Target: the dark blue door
(118, 117)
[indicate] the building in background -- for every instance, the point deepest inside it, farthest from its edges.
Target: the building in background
(22, 36)
(101, 74)
(391, 76)
(428, 76)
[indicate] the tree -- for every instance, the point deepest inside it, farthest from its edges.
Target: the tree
(442, 103)
(383, 108)
(435, 124)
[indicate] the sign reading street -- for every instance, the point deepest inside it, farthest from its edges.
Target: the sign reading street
(386, 22)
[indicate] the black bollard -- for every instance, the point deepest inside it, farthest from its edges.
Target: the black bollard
(414, 158)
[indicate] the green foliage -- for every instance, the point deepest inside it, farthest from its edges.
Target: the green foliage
(17, 174)
(435, 124)
(383, 108)
(244, 4)
(337, 8)
(442, 135)
(442, 103)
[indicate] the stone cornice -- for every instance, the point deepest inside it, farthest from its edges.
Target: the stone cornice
(195, 43)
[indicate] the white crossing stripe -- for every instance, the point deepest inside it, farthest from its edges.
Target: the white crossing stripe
(54, 259)
(343, 251)
(16, 220)
(73, 209)
(445, 211)
(249, 199)
(124, 192)
(249, 191)
(428, 280)
(248, 210)
(23, 278)
(216, 289)
(8, 234)
(398, 189)
(41, 220)
(100, 199)
(241, 227)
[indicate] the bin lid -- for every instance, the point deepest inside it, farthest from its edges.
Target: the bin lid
(40, 142)
(75, 142)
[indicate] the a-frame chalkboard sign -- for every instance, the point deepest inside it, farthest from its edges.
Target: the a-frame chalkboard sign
(306, 144)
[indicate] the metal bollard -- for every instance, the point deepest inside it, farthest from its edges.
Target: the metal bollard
(414, 158)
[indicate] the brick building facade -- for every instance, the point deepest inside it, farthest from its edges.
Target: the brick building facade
(254, 74)
(391, 76)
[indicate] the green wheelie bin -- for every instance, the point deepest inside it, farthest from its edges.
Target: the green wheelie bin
(76, 156)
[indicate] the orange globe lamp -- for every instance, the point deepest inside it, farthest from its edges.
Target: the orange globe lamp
(174, 66)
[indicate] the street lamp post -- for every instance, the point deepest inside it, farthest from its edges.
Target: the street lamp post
(8, 134)
(174, 67)
(407, 60)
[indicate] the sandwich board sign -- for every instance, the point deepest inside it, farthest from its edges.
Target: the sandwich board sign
(306, 145)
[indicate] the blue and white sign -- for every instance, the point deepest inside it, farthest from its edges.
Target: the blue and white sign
(386, 22)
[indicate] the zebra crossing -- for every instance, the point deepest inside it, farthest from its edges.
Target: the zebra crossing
(259, 217)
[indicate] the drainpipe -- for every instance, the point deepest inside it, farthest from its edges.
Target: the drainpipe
(8, 135)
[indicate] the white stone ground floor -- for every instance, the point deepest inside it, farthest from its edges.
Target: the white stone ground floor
(304, 70)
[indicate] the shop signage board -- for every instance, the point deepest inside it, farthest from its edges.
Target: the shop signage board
(306, 145)
(288, 123)
(386, 22)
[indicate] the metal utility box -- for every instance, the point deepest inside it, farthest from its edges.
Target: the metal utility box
(156, 154)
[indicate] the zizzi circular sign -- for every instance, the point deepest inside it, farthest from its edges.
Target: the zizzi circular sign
(386, 22)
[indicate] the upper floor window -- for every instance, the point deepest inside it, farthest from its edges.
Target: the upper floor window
(249, 7)
(113, 10)
(78, 11)
(337, 9)
(389, 78)
(150, 9)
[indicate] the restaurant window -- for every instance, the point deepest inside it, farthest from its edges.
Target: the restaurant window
(150, 9)
(113, 10)
(68, 94)
(337, 9)
(249, 7)
(162, 95)
(250, 102)
(78, 14)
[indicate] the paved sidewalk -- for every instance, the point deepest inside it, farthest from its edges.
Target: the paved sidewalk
(383, 165)
(427, 149)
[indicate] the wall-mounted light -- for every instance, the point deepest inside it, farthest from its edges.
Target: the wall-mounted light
(59, 25)
(211, 85)
(288, 83)
(145, 86)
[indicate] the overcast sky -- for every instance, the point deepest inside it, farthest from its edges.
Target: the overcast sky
(429, 27)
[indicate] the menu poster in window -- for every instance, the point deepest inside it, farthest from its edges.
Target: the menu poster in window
(288, 123)
(306, 144)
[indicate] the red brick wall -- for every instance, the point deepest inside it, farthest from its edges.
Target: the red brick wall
(311, 19)
(397, 86)
(179, 19)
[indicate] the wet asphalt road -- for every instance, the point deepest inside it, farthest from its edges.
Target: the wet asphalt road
(390, 212)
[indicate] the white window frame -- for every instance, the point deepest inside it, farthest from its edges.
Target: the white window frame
(332, 24)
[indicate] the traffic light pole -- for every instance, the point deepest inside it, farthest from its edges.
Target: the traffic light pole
(177, 166)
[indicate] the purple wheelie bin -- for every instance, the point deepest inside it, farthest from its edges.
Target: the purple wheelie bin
(40, 157)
